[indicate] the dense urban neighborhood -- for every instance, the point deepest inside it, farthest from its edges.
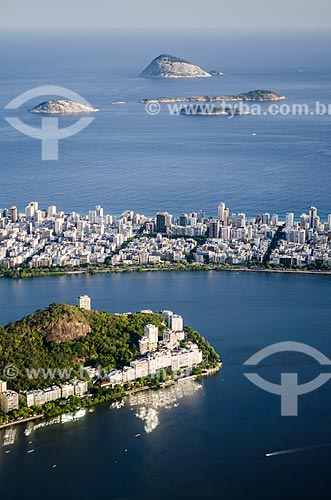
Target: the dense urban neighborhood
(39, 239)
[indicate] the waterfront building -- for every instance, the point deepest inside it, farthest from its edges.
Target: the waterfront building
(81, 387)
(39, 397)
(141, 367)
(115, 377)
(186, 358)
(159, 360)
(9, 401)
(67, 390)
(128, 374)
(52, 393)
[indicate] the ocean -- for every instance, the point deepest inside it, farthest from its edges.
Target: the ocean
(127, 159)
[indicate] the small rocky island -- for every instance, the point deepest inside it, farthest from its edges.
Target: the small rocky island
(167, 66)
(253, 95)
(200, 110)
(62, 107)
(216, 72)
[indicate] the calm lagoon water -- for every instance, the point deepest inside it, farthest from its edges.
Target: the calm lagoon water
(201, 440)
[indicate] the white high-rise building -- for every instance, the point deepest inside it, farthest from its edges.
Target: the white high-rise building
(241, 219)
(167, 315)
(84, 302)
(149, 341)
(312, 215)
(29, 211)
(304, 221)
(99, 211)
(176, 323)
(301, 236)
(38, 216)
(51, 211)
(289, 220)
(152, 333)
(266, 218)
(220, 211)
(92, 216)
(58, 226)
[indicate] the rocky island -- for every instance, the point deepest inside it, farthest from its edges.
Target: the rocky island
(167, 66)
(62, 107)
(216, 72)
(68, 357)
(253, 95)
(200, 110)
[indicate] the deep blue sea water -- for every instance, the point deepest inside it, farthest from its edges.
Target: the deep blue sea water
(128, 159)
(210, 440)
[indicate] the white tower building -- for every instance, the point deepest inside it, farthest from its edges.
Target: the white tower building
(84, 302)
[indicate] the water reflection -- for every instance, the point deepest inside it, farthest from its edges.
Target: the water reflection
(9, 436)
(147, 405)
(60, 419)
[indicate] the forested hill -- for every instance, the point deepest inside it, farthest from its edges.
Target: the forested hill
(66, 337)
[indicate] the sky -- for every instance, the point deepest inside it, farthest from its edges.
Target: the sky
(165, 14)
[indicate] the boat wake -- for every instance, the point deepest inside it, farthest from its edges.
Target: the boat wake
(298, 450)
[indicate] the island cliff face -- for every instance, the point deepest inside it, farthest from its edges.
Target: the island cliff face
(167, 66)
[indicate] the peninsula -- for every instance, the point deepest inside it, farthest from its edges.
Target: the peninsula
(67, 357)
(167, 66)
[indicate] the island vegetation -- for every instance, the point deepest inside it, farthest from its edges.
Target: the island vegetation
(253, 95)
